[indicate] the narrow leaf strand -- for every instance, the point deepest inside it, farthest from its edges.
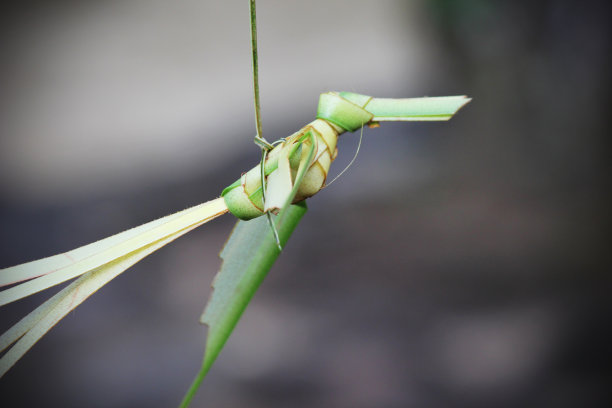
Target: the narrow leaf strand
(350, 163)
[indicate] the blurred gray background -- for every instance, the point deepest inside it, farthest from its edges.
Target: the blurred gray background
(458, 264)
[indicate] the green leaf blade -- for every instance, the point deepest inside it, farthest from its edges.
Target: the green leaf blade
(247, 257)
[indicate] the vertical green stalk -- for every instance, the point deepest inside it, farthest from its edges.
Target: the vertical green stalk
(259, 139)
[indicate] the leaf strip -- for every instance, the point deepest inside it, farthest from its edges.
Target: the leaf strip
(32, 327)
(112, 248)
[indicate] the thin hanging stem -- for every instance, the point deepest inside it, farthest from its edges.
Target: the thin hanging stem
(259, 139)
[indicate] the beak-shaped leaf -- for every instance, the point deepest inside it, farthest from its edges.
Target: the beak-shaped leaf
(409, 109)
(421, 109)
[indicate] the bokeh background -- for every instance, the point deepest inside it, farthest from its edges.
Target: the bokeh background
(458, 264)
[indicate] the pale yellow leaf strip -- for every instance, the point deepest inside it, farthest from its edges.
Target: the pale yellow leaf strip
(50, 264)
(113, 248)
(31, 328)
